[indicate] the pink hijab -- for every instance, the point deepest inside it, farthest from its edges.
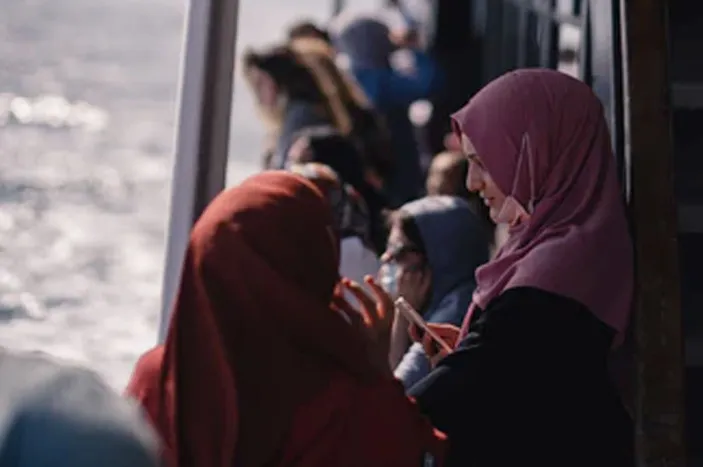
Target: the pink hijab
(576, 242)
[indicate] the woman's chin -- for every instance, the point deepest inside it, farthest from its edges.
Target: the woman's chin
(493, 214)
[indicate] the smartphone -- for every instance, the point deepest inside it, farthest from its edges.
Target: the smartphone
(409, 312)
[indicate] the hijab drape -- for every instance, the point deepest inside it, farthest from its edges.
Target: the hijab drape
(576, 242)
(255, 357)
(259, 274)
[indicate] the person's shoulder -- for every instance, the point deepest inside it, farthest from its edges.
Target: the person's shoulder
(533, 297)
(30, 373)
(545, 313)
(57, 413)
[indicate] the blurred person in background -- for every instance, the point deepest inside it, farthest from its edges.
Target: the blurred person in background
(264, 362)
(444, 31)
(327, 146)
(357, 258)
(307, 29)
(368, 45)
(435, 245)
(356, 117)
(447, 176)
(289, 98)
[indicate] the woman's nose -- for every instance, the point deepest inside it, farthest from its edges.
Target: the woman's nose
(474, 179)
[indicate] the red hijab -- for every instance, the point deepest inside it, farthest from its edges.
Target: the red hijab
(257, 369)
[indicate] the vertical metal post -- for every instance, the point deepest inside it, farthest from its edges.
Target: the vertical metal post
(659, 403)
(605, 63)
(203, 129)
(549, 45)
(522, 36)
(495, 36)
(338, 6)
(586, 45)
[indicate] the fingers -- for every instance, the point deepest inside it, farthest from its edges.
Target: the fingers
(416, 333)
(338, 290)
(382, 297)
(343, 305)
(352, 315)
(430, 346)
(368, 306)
(448, 335)
(448, 332)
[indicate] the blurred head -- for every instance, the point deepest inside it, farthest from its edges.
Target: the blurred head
(326, 145)
(364, 39)
(55, 414)
(307, 30)
(350, 213)
(406, 249)
(405, 244)
(277, 76)
(447, 175)
(343, 96)
(439, 236)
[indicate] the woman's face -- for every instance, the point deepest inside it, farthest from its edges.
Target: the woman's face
(409, 260)
(401, 250)
(479, 181)
(264, 88)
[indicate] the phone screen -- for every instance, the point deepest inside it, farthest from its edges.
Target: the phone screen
(409, 312)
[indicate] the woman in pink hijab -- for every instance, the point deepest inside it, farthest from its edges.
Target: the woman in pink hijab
(528, 382)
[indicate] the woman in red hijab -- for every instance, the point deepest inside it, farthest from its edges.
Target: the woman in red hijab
(258, 368)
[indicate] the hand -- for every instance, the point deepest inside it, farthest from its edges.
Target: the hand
(447, 332)
(414, 286)
(374, 319)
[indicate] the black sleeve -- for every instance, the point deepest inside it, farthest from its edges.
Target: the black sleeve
(447, 388)
(520, 321)
(448, 396)
(500, 381)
